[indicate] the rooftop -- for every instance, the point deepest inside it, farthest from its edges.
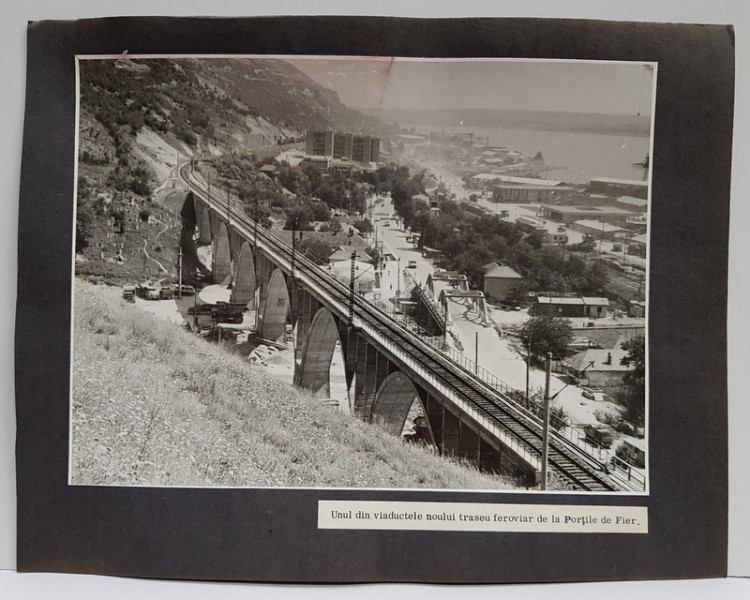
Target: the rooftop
(464, 294)
(632, 201)
(502, 272)
(344, 253)
(506, 186)
(442, 275)
(604, 210)
(621, 181)
(600, 226)
(585, 301)
(604, 338)
(639, 239)
(528, 181)
(603, 360)
(486, 176)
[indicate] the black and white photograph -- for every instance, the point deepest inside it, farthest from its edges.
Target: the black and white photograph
(361, 272)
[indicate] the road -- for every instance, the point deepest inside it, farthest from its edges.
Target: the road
(496, 355)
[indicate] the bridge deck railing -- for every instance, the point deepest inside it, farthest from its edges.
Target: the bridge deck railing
(518, 445)
(516, 398)
(530, 406)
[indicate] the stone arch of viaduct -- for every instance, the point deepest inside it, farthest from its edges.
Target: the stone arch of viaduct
(380, 390)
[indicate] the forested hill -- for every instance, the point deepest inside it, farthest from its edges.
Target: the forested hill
(138, 117)
(214, 98)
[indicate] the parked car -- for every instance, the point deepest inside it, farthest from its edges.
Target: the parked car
(600, 435)
(623, 426)
(593, 393)
(186, 290)
(632, 453)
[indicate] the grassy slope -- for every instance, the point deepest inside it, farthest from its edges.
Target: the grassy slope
(153, 405)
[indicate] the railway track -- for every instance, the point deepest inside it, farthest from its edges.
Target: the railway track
(525, 429)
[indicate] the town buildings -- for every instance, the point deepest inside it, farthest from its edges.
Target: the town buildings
(362, 149)
(563, 306)
(570, 214)
(619, 187)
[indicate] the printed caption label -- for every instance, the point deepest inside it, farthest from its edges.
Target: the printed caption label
(459, 516)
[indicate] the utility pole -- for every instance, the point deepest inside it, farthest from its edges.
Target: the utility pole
(398, 277)
(445, 329)
(528, 358)
(179, 270)
(195, 311)
(476, 352)
(351, 289)
(209, 191)
(229, 211)
(545, 430)
(294, 246)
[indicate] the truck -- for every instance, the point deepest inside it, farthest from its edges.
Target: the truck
(599, 435)
(221, 312)
(128, 293)
(228, 312)
(148, 291)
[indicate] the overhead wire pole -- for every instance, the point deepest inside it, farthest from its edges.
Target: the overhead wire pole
(445, 329)
(351, 288)
(545, 430)
(528, 356)
(179, 269)
(398, 276)
(476, 352)
(229, 211)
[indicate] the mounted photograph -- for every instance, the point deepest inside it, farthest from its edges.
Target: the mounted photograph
(361, 273)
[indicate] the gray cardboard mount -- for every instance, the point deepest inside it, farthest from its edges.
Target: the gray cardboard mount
(272, 535)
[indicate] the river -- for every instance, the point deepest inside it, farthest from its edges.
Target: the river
(582, 156)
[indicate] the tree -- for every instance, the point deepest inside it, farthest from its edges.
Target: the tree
(518, 294)
(363, 226)
(546, 334)
(298, 218)
(318, 249)
(632, 394)
(85, 220)
(319, 211)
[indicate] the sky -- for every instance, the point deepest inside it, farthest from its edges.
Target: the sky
(569, 86)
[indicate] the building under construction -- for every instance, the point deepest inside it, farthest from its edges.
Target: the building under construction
(339, 145)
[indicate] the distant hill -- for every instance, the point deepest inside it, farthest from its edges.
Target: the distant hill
(138, 118)
(521, 119)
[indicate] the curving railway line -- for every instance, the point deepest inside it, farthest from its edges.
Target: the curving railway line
(519, 427)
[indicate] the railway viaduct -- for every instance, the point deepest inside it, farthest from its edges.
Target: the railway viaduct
(386, 366)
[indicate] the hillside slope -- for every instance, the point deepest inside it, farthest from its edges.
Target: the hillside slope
(140, 118)
(154, 405)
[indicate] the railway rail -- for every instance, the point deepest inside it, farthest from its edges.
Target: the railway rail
(494, 411)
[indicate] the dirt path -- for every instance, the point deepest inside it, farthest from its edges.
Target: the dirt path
(145, 251)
